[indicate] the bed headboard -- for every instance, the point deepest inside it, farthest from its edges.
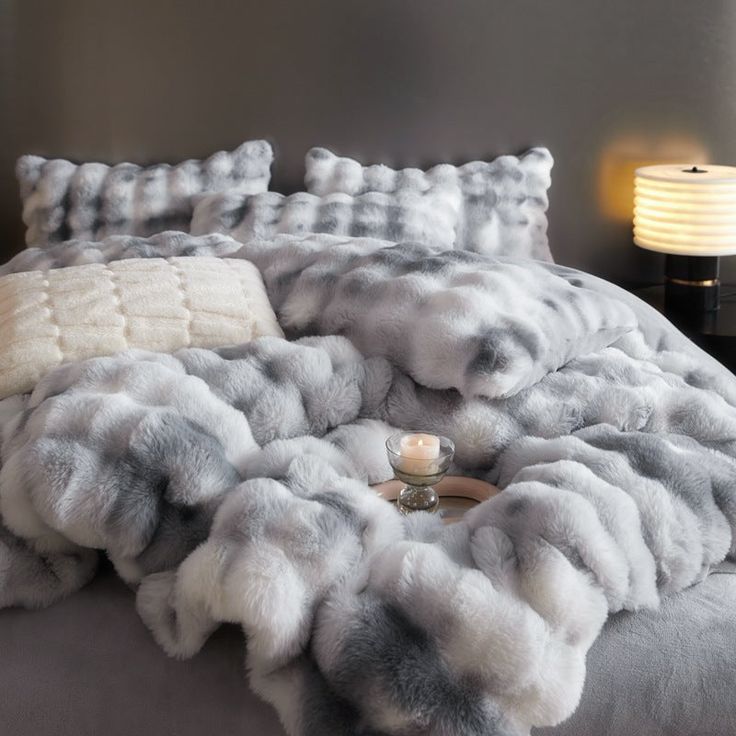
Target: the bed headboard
(408, 82)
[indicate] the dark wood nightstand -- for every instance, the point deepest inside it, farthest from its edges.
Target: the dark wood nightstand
(715, 332)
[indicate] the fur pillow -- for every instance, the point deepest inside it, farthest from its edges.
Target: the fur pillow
(53, 317)
(64, 201)
(409, 215)
(504, 201)
(486, 326)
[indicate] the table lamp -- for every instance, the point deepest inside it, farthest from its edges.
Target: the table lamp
(688, 213)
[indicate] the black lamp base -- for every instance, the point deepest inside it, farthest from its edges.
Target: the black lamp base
(691, 284)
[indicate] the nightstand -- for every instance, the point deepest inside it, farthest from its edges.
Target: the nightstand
(715, 332)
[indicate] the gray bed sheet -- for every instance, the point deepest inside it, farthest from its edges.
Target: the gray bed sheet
(88, 666)
(670, 672)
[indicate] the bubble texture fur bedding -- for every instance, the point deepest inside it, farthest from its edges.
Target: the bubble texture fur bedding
(503, 202)
(90, 201)
(450, 319)
(229, 485)
(430, 218)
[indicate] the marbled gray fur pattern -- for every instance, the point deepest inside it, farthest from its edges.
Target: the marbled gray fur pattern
(231, 484)
(35, 581)
(427, 218)
(167, 244)
(504, 201)
(89, 201)
(142, 447)
(452, 319)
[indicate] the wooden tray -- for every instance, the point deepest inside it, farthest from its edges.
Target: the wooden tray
(457, 494)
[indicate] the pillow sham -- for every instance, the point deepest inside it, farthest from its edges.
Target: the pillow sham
(485, 326)
(64, 201)
(53, 317)
(504, 201)
(407, 216)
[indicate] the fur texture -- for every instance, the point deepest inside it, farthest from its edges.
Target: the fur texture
(90, 201)
(169, 244)
(133, 454)
(443, 317)
(504, 201)
(410, 215)
(58, 316)
(230, 484)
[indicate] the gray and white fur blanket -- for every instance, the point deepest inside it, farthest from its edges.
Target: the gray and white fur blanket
(231, 485)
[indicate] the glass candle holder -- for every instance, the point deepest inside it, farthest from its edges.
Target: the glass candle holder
(419, 460)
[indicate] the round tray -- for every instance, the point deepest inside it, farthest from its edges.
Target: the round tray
(457, 494)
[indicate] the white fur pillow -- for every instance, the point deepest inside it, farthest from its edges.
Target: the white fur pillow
(504, 201)
(485, 326)
(64, 201)
(410, 215)
(53, 317)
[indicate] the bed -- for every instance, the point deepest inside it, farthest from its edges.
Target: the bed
(89, 663)
(199, 379)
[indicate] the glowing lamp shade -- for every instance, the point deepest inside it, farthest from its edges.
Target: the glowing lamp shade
(686, 210)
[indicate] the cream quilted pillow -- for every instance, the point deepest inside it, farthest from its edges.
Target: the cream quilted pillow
(53, 317)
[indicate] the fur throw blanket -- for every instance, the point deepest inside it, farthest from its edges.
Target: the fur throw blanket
(230, 485)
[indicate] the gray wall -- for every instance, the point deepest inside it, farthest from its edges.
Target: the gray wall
(604, 84)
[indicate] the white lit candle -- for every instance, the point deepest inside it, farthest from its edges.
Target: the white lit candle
(419, 453)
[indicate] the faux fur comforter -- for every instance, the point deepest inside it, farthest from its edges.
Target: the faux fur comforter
(231, 484)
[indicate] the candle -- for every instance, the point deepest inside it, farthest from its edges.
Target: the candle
(419, 453)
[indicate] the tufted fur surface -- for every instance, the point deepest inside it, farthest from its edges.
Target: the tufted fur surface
(504, 201)
(133, 454)
(230, 486)
(378, 298)
(89, 201)
(430, 217)
(450, 319)
(67, 314)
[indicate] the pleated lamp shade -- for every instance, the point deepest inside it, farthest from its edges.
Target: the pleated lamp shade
(686, 210)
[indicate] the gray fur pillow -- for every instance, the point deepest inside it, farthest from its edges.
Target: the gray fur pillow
(64, 201)
(504, 201)
(410, 215)
(485, 326)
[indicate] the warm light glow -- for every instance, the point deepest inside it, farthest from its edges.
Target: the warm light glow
(620, 157)
(683, 212)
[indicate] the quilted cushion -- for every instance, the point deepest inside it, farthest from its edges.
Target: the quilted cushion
(64, 201)
(52, 317)
(504, 201)
(429, 218)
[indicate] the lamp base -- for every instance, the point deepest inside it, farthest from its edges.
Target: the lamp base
(692, 284)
